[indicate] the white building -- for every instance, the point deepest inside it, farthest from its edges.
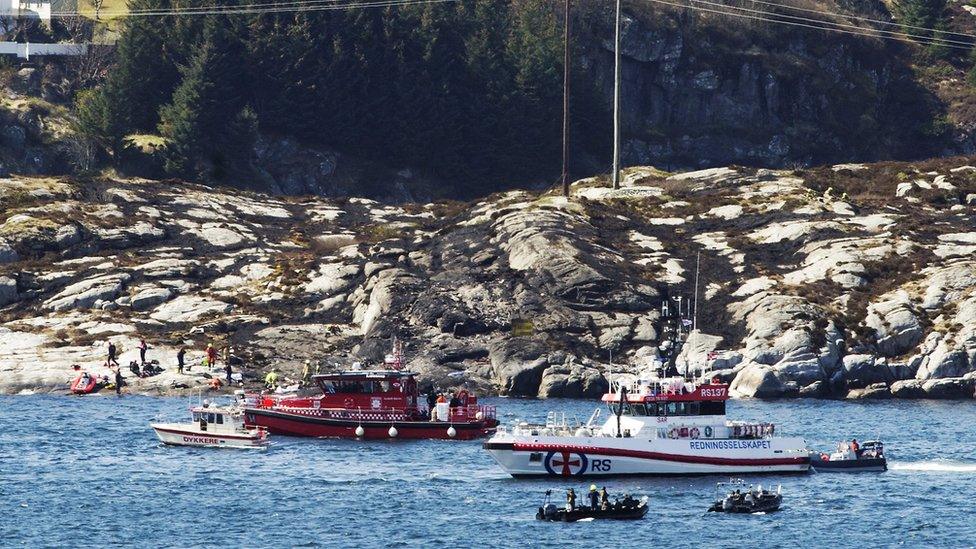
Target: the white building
(26, 8)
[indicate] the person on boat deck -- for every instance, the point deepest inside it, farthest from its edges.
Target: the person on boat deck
(306, 373)
(118, 381)
(604, 499)
(570, 500)
(454, 401)
(143, 347)
(271, 380)
(855, 447)
(111, 354)
(432, 403)
(750, 499)
(594, 497)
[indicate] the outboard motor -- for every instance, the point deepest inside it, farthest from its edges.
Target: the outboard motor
(549, 510)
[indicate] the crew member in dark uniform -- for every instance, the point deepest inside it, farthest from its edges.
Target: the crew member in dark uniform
(118, 381)
(594, 497)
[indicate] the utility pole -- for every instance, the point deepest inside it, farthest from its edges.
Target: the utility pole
(566, 102)
(616, 101)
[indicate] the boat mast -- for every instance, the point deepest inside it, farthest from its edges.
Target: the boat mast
(565, 174)
(616, 101)
(694, 317)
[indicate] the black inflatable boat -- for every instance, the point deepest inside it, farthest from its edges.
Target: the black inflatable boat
(746, 500)
(626, 509)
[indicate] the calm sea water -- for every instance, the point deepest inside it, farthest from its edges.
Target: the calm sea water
(88, 471)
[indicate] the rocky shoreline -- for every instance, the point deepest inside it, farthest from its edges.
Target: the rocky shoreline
(855, 281)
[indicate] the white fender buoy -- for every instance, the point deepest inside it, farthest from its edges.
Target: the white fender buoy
(360, 431)
(479, 416)
(451, 431)
(392, 432)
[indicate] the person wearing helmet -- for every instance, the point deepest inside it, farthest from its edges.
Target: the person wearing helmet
(594, 498)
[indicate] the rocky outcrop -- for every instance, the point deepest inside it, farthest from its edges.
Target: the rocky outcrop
(804, 291)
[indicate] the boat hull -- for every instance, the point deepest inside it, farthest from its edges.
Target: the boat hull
(80, 388)
(305, 425)
(849, 465)
(179, 435)
(606, 456)
(562, 515)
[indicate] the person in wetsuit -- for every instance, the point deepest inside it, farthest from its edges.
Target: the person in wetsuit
(118, 381)
(111, 354)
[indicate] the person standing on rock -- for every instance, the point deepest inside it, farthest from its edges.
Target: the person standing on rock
(143, 347)
(119, 380)
(112, 350)
(229, 371)
(211, 356)
(180, 357)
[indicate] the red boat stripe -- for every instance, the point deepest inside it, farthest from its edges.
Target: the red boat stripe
(366, 424)
(522, 447)
(204, 434)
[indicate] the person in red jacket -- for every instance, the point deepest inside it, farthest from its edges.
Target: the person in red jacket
(211, 355)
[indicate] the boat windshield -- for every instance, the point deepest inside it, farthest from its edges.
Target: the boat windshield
(666, 409)
(357, 387)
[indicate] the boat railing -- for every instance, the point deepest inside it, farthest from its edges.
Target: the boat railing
(741, 429)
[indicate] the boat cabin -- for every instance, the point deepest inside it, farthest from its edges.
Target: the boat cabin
(668, 397)
(216, 418)
(367, 390)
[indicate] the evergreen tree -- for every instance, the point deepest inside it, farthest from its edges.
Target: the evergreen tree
(206, 112)
(145, 73)
(926, 14)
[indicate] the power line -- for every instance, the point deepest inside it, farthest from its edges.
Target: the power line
(858, 17)
(836, 24)
(870, 33)
(278, 7)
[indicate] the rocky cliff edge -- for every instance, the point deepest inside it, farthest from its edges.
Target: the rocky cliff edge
(844, 281)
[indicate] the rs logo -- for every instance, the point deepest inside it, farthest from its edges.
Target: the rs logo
(566, 463)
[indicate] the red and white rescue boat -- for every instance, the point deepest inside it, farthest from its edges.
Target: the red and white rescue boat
(370, 404)
(658, 426)
(213, 427)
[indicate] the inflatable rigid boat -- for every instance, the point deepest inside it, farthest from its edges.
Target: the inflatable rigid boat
(629, 509)
(747, 500)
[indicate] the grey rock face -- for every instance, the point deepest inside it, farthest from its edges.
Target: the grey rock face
(572, 381)
(84, 294)
(758, 381)
(7, 254)
(8, 291)
(149, 298)
(896, 324)
(861, 371)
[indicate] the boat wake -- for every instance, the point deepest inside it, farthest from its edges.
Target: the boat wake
(935, 466)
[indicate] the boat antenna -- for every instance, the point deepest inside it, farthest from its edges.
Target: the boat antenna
(694, 318)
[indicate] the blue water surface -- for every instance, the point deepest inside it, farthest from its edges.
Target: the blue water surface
(88, 471)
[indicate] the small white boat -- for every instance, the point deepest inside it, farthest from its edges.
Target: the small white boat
(213, 427)
(868, 457)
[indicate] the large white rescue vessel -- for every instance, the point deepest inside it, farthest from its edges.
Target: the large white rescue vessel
(657, 426)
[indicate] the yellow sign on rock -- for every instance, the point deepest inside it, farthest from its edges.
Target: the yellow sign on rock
(522, 327)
